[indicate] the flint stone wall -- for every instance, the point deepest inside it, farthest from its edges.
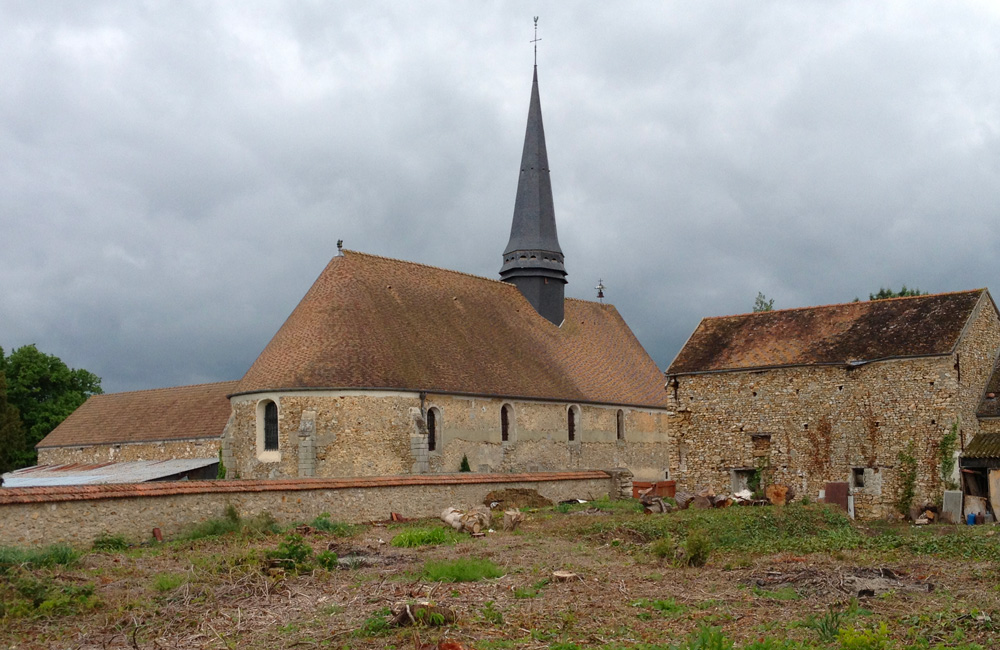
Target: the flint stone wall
(78, 514)
(815, 424)
(376, 433)
(132, 451)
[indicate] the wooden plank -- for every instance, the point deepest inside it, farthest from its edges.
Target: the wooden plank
(994, 480)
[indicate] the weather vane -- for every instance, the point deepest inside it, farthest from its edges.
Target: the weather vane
(600, 290)
(536, 40)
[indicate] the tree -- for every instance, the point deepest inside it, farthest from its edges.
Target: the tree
(762, 303)
(12, 441)
(45, 391)
(884, 293)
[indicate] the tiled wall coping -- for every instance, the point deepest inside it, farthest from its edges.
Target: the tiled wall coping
(9, 496)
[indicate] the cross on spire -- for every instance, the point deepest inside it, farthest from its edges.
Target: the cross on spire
(536, 39)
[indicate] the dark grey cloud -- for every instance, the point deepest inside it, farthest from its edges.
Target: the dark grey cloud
(174, 176)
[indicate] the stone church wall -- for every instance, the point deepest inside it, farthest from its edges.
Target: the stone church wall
(126, 452)
(811, 425)
(373, 433)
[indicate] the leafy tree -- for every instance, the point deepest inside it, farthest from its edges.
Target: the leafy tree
(762, 303)
(45, 391)
(12, 441)
(884, 293)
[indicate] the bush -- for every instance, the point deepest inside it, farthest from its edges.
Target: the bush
(664, 547)
(697, 548)
(328, 560)
(461, 570)
(854, 639)
(425, 537)
(464, 467)
(109, 542)
(293, 553)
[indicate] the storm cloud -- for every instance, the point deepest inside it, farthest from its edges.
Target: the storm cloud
(175, 175)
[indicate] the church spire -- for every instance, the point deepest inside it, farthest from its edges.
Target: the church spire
(533, 261)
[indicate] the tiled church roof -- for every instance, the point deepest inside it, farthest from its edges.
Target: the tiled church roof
(180, 413)
(852, 332)
(373, 322)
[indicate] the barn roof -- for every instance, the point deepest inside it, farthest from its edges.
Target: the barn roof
(180, 413)
(854, 332)
(374, 322)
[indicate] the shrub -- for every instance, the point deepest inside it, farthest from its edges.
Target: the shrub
(425, 537)
(697, 548)
(664, 547)
(292, 553)
(109, 542)
(707, 638)
(490, 613)
(464, 467)
(467, 569)
(328, 560)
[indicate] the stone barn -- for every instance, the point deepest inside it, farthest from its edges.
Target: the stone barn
(845, 393)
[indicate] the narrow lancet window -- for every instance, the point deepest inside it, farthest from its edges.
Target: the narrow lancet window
(270, 427)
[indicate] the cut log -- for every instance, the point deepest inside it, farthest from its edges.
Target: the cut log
(683, 499)
(701, 502)
(422, 614)
(512, 519)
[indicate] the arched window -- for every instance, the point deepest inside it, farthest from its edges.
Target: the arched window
(432, 429)
(270, 426)
(572, 418)
(505, 423)
(620, 424)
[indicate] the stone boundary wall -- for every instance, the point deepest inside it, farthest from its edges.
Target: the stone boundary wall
(77, 514)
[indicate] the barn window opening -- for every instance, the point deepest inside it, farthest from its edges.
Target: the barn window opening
(505, 423)
(858, 476)
(572, 415)
(620, 424)
(270, 427)
(432, 429)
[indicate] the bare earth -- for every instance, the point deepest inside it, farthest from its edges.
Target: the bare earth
(623, 596)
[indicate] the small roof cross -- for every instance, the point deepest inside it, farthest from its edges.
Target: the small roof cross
(536, 39)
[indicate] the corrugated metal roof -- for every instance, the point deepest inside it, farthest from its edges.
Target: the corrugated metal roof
(984, 445)
(90, 474)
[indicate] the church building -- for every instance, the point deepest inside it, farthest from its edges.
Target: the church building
(391, 367)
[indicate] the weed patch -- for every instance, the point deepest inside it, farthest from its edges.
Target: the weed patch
(56, 554)
(431, 536)
(168, 581)
(337, 528)
(468, 569)
(109, 542)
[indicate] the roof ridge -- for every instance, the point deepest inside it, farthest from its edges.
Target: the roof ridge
(841, 304)
(150, 390)
(428, 266)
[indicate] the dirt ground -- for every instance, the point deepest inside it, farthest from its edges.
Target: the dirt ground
(622, 595)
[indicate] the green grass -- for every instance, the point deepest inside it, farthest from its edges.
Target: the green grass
(25, 595)
(168, 581)
(109, 542)
(337, 528)
(430, 536)
(468, 569)
(522, 593)
(233, 524)
(47, 556)
(796, 528)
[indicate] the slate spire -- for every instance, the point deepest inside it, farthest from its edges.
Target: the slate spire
(533, 261)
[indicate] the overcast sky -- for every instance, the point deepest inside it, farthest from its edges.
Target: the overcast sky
(174, 176)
